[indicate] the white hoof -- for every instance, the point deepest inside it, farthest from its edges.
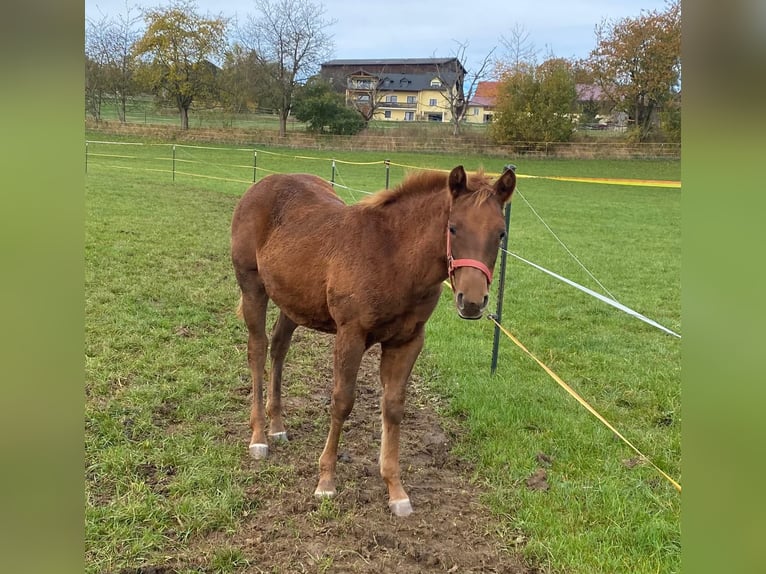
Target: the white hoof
(259, 451)
(401, 507)
(324, 493)
(279, 436)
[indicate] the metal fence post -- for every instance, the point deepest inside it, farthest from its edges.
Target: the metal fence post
(255, 164)
(332, 179)
(174, 162)
(501, 285)
(388, 171)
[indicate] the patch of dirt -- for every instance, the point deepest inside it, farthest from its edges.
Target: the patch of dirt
(290, 531)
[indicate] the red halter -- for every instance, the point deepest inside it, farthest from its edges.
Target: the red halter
(453, 264)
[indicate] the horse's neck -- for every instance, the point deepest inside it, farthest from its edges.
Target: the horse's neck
(421, 224)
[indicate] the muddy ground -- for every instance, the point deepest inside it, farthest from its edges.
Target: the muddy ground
(292, 532)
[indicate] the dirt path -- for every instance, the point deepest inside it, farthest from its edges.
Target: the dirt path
(291, 531)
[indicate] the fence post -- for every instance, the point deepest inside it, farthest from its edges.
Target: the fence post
(501, 285)
(388, 171)
(255, 163)
(332, 179)
(86, 157)
(174, 162)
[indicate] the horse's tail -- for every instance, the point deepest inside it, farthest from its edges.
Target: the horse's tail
(240, 313)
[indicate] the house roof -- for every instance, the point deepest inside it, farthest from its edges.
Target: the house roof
(482, 101)
(485, 95)
(586, 92)
(486, 90)
(411, 82)
(388, 62)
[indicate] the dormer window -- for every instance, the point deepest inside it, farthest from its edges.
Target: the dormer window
(436, 83)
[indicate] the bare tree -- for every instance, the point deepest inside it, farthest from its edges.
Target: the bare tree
(289, 37)
(97, 65)
(520, 52)
(123, 35)
(455, 80)
(363, 94)
(109, 61)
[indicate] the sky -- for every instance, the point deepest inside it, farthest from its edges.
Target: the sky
(437, 28)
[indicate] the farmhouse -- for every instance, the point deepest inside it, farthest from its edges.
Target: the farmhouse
(481, 108)
(408, 89)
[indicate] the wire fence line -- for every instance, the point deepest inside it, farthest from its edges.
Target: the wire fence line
(232, 172)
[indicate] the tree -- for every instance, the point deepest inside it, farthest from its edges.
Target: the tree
(290, 37)
(245, 84)
(324, 110)
(454, 82)
(535, 105)
(179, 45)
(364, 94)
(520, 52)
(97, 66)
(637, 62)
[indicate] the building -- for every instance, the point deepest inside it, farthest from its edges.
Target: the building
(481, 108)
(408, 89)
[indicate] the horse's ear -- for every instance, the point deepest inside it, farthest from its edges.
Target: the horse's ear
(458, 181)
(505, 185)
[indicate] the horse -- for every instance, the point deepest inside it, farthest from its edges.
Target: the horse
(369, 272)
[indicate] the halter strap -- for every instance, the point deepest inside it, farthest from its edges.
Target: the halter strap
(453, 264)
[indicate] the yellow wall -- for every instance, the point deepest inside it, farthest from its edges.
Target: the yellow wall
(421, 110)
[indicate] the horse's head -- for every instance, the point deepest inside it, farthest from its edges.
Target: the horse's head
(475, 229)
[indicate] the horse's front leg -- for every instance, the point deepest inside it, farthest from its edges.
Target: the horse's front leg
(395, 367)
(347, 354)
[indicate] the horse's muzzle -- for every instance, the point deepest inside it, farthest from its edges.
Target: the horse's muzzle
(470, 309)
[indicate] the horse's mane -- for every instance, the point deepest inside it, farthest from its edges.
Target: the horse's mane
(422, 182)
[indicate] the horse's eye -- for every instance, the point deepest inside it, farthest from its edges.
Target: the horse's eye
(452, 229)
(502, 235)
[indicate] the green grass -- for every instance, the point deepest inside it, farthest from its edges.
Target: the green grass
(599, 515)
(165, 355)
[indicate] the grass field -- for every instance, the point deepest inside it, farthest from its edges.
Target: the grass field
(164, 351)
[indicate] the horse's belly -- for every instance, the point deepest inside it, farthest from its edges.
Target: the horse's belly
(300, 298)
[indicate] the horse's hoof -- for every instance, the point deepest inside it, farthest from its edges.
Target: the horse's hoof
(279, 436)
(259, 450)
(401, 508)
(324, 493)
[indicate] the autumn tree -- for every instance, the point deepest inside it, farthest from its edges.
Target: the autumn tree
(455, 81)
(535, 105)
(637, 63)
(179, 46)
(290, 37)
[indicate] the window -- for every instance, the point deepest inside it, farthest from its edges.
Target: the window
(409, 116)
(436, 83)
(412, 99)
(432, 102)
(475, 111)
(387, 114)
(391, 99)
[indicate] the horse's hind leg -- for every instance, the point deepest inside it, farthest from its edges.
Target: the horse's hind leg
(253, 306)
(280, 343)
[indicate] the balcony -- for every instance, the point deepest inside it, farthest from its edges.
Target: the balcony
(397, 105)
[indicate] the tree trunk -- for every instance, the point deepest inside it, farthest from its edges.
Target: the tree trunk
(283, 123)
(185, 118)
